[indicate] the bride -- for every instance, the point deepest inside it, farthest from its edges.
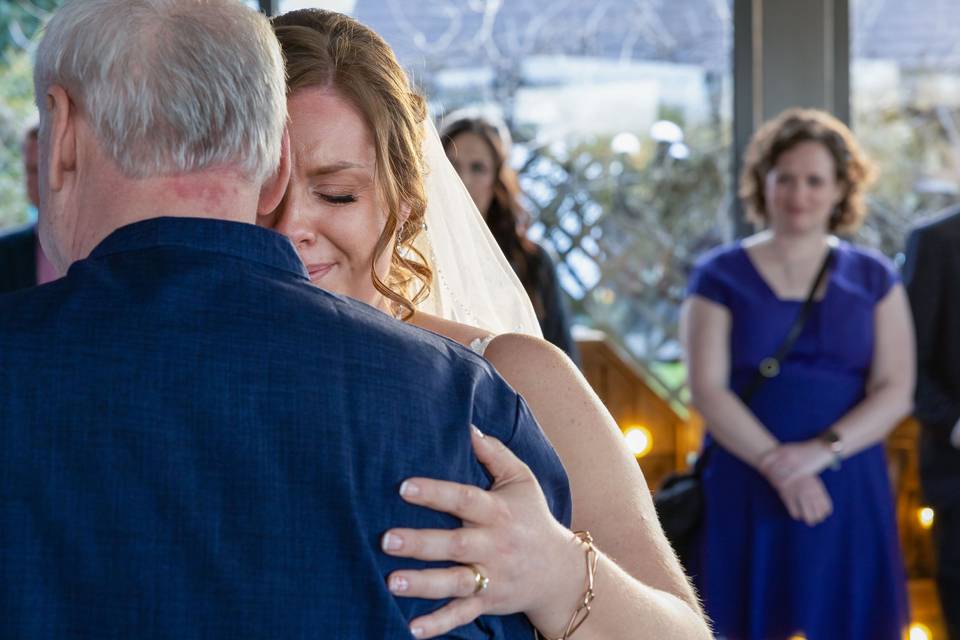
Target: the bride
(377, 213)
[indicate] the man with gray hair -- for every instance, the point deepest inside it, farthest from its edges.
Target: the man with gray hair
(194, 440)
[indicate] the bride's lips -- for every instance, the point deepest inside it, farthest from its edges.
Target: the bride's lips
(320, 269)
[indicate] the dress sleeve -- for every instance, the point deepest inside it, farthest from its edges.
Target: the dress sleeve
(706, 281)
(883, 278)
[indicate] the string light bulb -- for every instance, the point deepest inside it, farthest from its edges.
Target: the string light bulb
(639, 440)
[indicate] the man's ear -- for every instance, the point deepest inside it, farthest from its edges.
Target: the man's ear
(271, 193)
(62, 138)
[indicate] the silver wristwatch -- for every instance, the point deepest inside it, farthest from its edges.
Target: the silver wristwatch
(832, 439)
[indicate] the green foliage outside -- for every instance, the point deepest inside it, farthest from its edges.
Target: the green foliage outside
(627, 228)
(20, 20)
(917, 152)
(20, 24)
(16, 110)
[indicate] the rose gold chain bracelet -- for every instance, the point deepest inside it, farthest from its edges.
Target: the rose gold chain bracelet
(583, 611)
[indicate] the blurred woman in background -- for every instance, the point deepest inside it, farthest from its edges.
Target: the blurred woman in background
(479, 152)
(799, 527)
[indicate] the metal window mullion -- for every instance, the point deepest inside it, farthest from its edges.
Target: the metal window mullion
(270, 7)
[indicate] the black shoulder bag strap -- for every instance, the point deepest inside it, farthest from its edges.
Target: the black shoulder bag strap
(770, 367)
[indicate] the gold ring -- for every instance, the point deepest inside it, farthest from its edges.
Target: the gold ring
(480, 581)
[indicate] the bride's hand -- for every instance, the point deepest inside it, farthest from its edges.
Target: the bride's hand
(533, 563)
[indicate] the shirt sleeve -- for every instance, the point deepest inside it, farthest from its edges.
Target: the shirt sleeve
(530, 444)
(706, 281)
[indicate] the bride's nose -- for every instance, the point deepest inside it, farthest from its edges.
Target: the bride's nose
(293, 222)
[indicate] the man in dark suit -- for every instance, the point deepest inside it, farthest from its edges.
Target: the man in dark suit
(932, 277)
(22, 262)
(194, 441)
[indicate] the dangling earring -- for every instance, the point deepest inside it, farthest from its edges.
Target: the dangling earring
(398, 245)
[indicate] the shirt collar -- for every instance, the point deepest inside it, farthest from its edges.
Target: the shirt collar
(238, 239)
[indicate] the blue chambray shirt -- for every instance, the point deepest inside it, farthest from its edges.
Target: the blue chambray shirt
(195, 442)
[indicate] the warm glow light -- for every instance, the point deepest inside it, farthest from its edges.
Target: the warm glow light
(920, 631)
(798, 636)
(639, 440)
(925, 515)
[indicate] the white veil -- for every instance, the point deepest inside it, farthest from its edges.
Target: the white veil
(472, 281)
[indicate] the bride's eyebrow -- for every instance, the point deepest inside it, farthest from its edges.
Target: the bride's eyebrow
(336, 167)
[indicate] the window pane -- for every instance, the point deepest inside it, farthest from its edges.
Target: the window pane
(905, 97)
(621, 117)
(20, 24)
(343, 6)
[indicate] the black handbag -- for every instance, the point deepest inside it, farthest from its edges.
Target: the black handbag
(679, 499)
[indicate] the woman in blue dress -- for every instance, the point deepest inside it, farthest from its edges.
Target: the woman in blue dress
(799, 534)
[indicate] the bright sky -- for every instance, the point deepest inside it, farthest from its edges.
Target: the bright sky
(343, 6)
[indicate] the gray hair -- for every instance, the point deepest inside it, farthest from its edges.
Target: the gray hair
(170, 86)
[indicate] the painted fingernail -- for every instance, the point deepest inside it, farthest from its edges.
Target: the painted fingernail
(392, 542)
(409, 489)
(417, 632)
(477, 431)
(398, 584)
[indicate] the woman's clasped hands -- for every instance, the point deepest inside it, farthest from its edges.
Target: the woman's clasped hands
(793, 470)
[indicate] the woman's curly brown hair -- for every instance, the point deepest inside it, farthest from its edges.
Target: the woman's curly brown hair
(328, 49)
(854, 170)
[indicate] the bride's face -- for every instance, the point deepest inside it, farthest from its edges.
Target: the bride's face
(331, 211)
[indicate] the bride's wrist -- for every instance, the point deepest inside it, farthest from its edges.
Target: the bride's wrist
(570, 581)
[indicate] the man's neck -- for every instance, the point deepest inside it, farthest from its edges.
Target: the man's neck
(216, 194)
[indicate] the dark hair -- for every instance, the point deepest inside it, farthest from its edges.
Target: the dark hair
(328, 49)
(854, 171)
(505, 217)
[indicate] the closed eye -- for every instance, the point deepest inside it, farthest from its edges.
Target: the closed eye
(345, 199)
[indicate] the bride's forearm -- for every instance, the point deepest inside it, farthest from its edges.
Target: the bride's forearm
(623, 607)
(610, 494)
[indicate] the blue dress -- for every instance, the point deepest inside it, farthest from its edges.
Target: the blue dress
(763, 575)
